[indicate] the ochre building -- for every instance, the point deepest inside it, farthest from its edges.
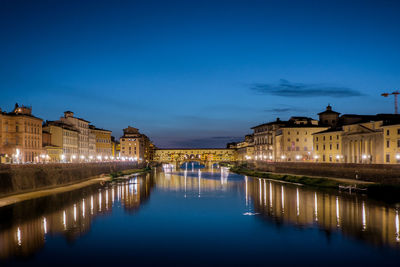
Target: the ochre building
(20, 136)
(135, 145)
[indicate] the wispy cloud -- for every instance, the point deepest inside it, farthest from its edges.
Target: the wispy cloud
(284, 110)
(285, 88)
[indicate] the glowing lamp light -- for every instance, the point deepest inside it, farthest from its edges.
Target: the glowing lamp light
(316, 157)
(90, 157)
(298, 157)
(62, 156)
(82, 157)
(106, 157)
(364, 156)
(283, 157)
(73, 157)
(398, 156)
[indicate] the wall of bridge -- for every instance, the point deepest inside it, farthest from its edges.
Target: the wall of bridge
(201, 155)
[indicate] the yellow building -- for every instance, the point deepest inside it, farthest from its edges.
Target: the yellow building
(114, 145)
(64, 136)
(245, 149)
(135, 146)
(20, 136)
(375, 141)
(83, 132)
(295, 142)
(328, 146)
(103, 142)
(391, 147)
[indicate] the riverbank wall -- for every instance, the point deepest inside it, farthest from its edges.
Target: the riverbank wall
(16, 179)
(379, 173)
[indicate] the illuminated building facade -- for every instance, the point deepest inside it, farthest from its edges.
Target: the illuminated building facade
(83, 132)
(245, 149)
(135, 145)
(64, 136)
(103, 146)
(294, 142)
(264, 140)
(20, 135)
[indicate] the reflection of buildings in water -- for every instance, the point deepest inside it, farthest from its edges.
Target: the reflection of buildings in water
(200, 181)
(353, 215)
(69, 214)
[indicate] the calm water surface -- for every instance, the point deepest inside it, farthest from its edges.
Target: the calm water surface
(199, 217)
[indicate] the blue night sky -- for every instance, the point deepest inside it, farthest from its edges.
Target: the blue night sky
(197, 73)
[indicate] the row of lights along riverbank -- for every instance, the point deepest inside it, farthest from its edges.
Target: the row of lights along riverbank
(365, 158)
(44, 158)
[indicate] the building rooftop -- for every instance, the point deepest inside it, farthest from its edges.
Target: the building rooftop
(98, 129)
(277, 121)
(331, 130)
(328, 111)
(61, 124)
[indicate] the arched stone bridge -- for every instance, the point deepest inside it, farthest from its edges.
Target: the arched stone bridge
(203, 155)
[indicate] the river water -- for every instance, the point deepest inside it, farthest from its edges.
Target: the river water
(199, 217)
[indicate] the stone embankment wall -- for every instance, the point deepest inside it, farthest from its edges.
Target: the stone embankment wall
(16, 179)
(381, 173)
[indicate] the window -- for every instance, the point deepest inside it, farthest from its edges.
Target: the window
(337, 137)
(330, 137)
(305, 148)
(387, 158)
(387, 132)
(323, 147)
(337, 146)
(387, 143)
(323, 157)
(305, 139)
(297, 139)
(288, 148)
(316, 147)
(288, 139)
(398, 131)
(323, 138)
(297, 148)
(316, 138)
(297, 133)
(330, 146)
